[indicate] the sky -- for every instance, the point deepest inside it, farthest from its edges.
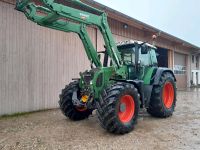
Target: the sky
(180, 18)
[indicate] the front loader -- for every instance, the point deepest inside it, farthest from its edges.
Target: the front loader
(127, 80)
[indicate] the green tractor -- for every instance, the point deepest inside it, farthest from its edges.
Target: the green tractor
(127, 80)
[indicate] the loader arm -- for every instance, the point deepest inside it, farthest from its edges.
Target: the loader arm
(64, 18)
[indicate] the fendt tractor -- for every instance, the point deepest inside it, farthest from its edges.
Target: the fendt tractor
(124, 81)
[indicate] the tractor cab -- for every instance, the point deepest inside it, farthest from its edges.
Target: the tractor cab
(136, 56)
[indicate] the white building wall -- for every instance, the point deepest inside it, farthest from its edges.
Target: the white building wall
(196, 77)
(35, 62)
(195, 69)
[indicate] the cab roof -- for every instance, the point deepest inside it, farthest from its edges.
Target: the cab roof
(129, 42)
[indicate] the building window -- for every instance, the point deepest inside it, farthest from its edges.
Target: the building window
(192, 58)
(179, 70)
(197, 61)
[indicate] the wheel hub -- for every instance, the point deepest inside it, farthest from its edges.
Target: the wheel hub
(126, 108)
(122, 107)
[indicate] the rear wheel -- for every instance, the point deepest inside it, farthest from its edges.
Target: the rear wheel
(163, 97)
(118, 108)
(67, 107)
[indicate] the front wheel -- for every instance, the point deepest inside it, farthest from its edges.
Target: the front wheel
(163, 97)
(66, 104)
(118, 108)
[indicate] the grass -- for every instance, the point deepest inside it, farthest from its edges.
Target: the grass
(19, 114)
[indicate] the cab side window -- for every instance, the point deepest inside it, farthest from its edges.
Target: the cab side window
(144, 58)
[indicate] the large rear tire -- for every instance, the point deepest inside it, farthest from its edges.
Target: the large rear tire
(163, 97)
(118, 107)
(67, 107)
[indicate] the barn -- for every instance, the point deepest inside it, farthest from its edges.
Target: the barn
(36, 62)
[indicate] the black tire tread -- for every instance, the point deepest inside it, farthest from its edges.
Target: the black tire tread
(106, 110)
(66, 105)
(156, 107)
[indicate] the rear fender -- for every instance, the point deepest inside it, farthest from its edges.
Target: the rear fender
(159, 73)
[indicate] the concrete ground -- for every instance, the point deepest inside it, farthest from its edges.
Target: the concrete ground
(51, 130)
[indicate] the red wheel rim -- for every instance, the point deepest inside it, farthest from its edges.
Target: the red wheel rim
(126, 113)
(168, 94)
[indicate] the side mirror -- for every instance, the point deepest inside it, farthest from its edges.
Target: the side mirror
(144, 49)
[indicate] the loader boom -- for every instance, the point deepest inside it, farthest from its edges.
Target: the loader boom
(68, 19)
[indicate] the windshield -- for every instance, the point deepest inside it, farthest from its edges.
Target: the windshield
(127, 54)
